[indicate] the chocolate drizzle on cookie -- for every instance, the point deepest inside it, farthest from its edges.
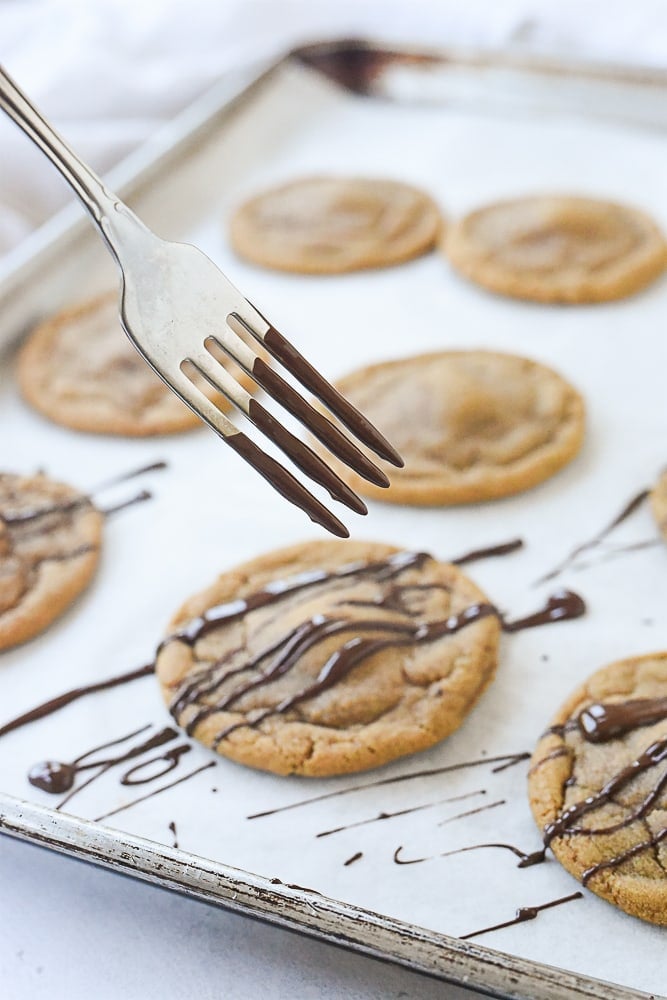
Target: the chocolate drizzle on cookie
(280, 657)
(71, 505)
(599, 723)
(596, 541)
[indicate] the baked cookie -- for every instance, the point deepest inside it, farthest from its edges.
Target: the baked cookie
(598, 785)
(80, 370)
(327, 657)
(470, 425)
(50, 536)
(328, 225)
(558, 249)
(659, 504)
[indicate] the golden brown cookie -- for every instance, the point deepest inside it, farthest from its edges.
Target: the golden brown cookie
(80, 370)
(558, 249)
(598, 785)
(659, 504)
(470, 425)
(328, 225)
(50, 537)
(327, 657)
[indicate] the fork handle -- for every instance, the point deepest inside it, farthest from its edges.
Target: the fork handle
(108, 212)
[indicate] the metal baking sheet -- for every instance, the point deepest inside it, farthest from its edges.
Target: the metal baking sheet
(209, 512)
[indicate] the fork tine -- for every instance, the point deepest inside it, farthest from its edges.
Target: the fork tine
(281, 480)
(302, 456)
(321, 427)
(295, 363)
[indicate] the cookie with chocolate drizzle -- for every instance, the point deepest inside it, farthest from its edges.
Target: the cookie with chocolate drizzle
(598, 785)
(329, 225)
(659, 504)
(50, 537)
(328, 658)
(558, 248)
(470, 425)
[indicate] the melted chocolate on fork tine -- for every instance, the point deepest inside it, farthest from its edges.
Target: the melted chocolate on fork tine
(292, 401)
(294, 362)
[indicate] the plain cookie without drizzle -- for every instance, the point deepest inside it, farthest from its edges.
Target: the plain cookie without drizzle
(558, 249)
(608, 745)
(470, 425)
(659, 504)
(80, 370)
(50, 536)
(245, 685)
(329, 225)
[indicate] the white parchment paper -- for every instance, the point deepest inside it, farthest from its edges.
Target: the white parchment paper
(209, 512)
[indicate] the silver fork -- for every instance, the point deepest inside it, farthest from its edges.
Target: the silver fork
(177, 307)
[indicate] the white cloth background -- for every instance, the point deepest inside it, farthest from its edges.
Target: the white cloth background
(109, 72)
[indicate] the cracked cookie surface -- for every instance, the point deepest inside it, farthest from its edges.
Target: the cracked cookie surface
(558, 249)
(659, 504)
(328, 658)
(329, 225)
(80, 370)
(50, 537)
(598, 785)
(470, 425)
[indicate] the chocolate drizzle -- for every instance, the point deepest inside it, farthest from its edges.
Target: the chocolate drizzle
(402, 812)
(628, 510)
(156, 791)
(70, 506)
(491, 552)
(55, 704)
(527, 860)
(22, 517)
(284, 654)
(656, 753)
(353, 859)
(522, 915)
(502, 762)
(56, 777)
(473, 812)
(598, 723)
(564, 605)
(618, 859)
(124, 504)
